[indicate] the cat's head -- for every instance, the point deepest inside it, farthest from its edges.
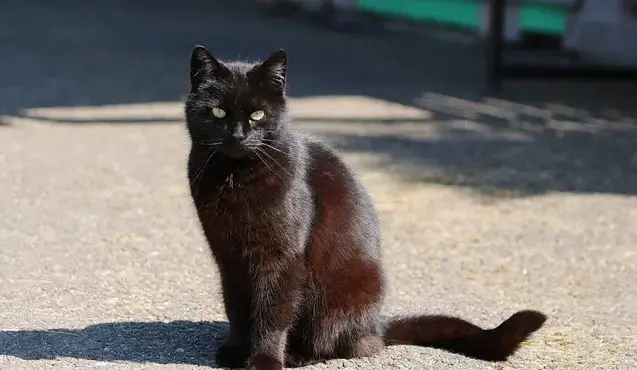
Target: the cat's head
(235, 107)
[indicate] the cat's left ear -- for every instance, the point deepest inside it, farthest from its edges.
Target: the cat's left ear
(203, 66)
(275, 69)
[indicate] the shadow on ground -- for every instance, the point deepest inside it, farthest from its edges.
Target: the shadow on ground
(120, 52)
(176, 342)
(537, 137)
(502, 149)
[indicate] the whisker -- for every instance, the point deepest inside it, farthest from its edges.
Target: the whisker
(202, 167)
(273, 148)
(256, 152)
(209, 144)
(274, 160)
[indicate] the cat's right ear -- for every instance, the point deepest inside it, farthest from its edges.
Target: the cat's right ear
(202, 66)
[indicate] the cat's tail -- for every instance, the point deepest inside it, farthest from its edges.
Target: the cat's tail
(462, 337)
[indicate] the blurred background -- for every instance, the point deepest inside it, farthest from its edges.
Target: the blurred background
(435, 56)
(503, 165)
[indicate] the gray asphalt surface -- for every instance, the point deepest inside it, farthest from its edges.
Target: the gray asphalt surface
(488, 205)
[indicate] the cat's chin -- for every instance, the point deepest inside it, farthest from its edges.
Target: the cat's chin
(236, 153)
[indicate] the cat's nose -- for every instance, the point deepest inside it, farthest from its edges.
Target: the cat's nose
(237, 132)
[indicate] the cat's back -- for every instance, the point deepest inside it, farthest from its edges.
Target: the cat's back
(328, 172)
(344, 209)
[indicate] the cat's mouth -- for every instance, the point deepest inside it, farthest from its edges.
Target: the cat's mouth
(236, 149)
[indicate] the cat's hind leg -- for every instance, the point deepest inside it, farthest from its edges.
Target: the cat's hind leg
(314, 339)
(366, 346)
(363, 337)
(306, 343)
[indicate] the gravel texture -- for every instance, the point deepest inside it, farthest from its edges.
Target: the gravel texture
(488, 206)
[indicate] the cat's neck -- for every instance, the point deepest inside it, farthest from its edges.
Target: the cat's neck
(272, 162)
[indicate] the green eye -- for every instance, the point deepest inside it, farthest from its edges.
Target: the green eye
(218, 112)
(257, 115)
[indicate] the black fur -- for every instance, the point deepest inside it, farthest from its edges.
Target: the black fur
(294, 234)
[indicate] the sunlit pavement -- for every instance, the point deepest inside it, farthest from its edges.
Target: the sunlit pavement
(484, 212)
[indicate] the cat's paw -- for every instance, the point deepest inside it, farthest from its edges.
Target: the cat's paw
(295, 360)
(263, 362)
(230, 356)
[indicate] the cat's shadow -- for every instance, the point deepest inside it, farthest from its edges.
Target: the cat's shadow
(176, 342)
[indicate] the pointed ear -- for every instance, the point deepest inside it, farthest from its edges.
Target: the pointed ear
(275, 70)
(202, 66)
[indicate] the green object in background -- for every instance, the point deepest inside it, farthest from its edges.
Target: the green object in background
(463, 13)
(539, 18)
(544, 19)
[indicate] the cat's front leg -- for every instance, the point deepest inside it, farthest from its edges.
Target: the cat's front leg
(277, 296)
(235, 350)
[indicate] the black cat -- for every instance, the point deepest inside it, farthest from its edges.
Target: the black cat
(296, 236)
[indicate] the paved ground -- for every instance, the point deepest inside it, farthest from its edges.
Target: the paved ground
(488, 206)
